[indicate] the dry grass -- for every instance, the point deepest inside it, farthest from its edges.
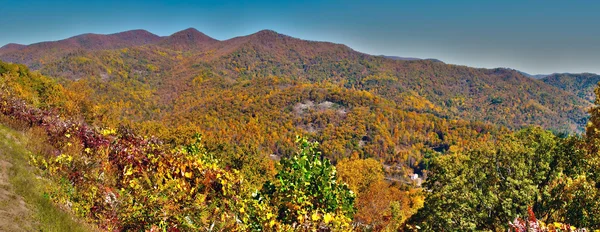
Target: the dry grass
(43, 215)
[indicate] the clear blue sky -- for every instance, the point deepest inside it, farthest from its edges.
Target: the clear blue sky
(543, 36)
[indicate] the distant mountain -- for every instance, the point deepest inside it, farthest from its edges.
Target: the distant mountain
(582, 84)
(11, 47)
(283, 46)
(33, 55)
(187, 39)
(166, 66)
(539, 76)
(400, 58)
(410, 58)
(102, 42)
(536, 76)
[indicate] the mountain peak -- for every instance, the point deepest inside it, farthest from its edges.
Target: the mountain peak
(11, 47)
(137, 37)
(187, 39)
(111, 41)
(133, 34)
(268, 34)
(191, 34)
(189, 30)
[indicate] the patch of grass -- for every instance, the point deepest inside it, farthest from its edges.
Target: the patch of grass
(46, 215)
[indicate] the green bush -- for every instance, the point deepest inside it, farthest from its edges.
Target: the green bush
(305, 195)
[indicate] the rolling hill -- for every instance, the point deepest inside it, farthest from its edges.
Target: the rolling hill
(582, 85)
(34, 55)
(259, 90)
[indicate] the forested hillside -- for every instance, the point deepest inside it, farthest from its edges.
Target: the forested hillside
(161, 70)
(582, 85)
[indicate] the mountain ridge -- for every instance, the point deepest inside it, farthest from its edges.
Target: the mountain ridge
(410, 58)
(187, 39)
(168, 64)
(580, 84)
(11, 47)
(33, 53)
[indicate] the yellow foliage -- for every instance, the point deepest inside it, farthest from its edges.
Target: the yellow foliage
(359, 173)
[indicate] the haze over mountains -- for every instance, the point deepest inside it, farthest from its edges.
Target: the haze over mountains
(183, 40)
(409, 58)
(534, 76)
(92, 41)
(499, 96)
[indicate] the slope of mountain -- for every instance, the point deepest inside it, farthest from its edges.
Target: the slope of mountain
(187, 39)
(249, 118)
(582, 85)
(36, 55)
(25, 205)
(158, 73)
(11, 47)
(113, 41)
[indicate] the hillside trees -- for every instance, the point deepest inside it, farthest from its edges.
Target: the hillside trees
(380, 205)
(244, 121)
(489, 185)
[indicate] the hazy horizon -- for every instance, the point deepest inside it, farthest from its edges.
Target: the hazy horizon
(533, 37)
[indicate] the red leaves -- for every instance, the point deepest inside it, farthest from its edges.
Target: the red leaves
(531, 215)
(534, 225)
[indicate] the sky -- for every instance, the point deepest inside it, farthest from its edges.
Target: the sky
(537, 37)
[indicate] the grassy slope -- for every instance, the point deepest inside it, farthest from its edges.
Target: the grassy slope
(23, 184)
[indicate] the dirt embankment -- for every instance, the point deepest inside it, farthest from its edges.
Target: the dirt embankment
(23, 206)
(14, 214)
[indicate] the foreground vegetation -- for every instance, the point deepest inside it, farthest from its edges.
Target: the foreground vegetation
(43, 215)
